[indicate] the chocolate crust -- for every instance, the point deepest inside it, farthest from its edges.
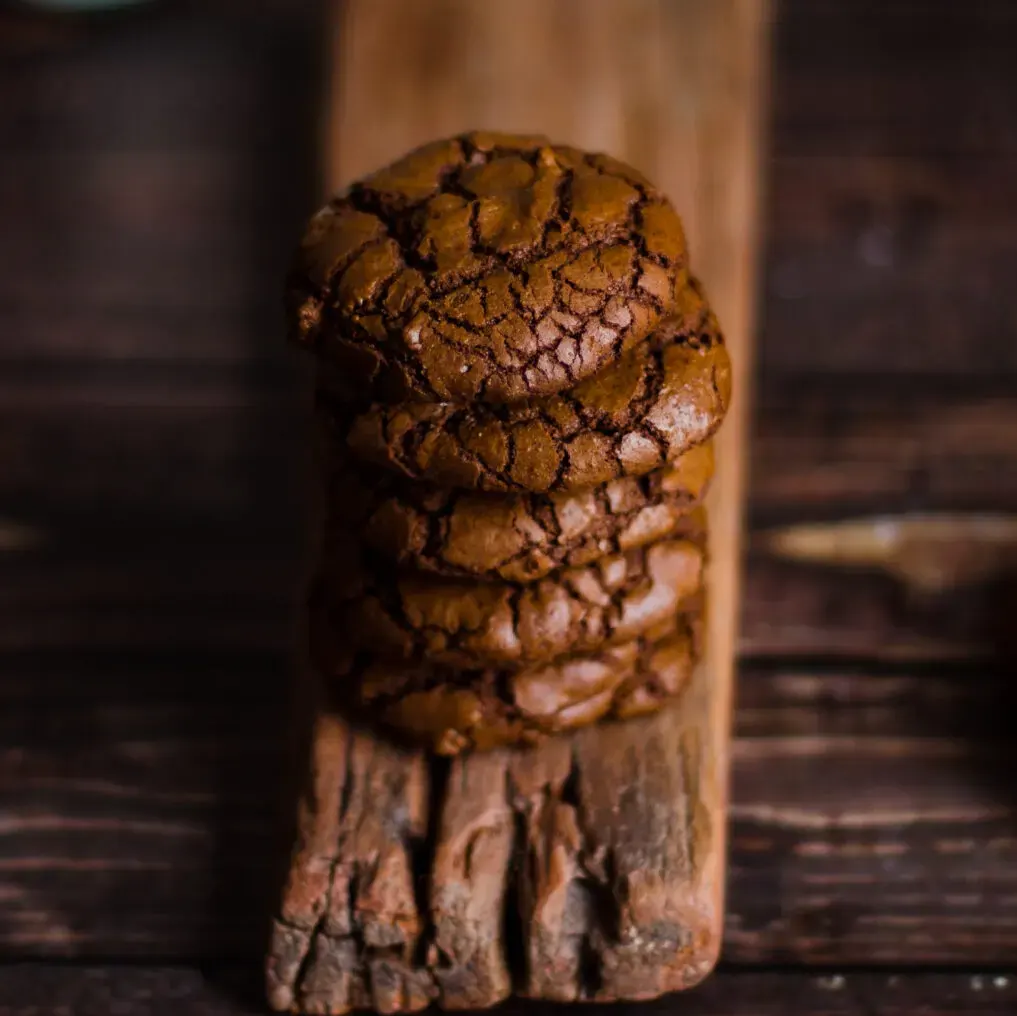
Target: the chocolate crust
(517, 537)
(468, 624)
(481, 709)
(486, 267)
(660, 400)
(518, 381)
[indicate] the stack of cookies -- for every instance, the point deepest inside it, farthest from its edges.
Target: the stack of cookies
(518, 380)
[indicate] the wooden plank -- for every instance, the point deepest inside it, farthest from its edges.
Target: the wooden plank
(131, 192)
(872, 820)
(923, 479)
(920, 211)
(620, 889)
(816, 612)
(138, 811)
(832, 446)
(85, 338)
(943, 221)
(942, 308)
(702, 151)
(610, 893)
(900, 263)
(51, 990)
(78, 587)
(821, 447)
(145, 229)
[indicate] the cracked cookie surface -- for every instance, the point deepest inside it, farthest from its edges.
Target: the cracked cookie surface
(460, 623)
(486, 267)
(452, 712)
(659, 400)
(517, 537)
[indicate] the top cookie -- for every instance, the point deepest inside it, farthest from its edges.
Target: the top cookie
(487, 267)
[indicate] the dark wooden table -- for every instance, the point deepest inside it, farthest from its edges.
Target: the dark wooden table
(153, 171)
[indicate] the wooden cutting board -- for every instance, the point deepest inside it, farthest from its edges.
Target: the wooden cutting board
(593, 866)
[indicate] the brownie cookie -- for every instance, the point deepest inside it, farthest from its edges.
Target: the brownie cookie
(518, 537)
(662, 398)
(482, 709)
(460, 623)
(486, 267)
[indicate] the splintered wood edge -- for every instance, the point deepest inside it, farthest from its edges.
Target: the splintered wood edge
(591, 867)
(587, 868)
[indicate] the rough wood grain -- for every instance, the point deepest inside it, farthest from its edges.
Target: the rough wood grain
(595, 856)
(908, 850)
(815, 612)
(349, 927)
(620, 865)
(52, 990)
(468, 882)
(852, 445)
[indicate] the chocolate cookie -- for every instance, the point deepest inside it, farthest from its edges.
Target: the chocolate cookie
(662, 398)
(486, 267)
(460, 623)
(519, 538)
(482, 709)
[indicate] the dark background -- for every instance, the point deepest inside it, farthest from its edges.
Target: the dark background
(154, 170)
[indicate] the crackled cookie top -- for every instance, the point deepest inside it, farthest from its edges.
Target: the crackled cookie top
(486, 267)
(463, 623)
(516, 537)
(452, 712)
(659, 400)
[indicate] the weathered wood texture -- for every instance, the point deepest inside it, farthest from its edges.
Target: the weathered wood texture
(588, 868)
(47, 990)
(144, 440)
(616, 837)
(348, 933)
